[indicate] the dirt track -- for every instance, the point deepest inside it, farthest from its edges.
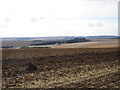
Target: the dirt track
(66, 68)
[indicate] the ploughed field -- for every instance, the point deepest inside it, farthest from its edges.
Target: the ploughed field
(60, 68)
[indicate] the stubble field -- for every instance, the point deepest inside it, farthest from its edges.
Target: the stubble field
(61, 68)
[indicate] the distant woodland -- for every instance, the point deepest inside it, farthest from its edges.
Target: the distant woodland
(58, 42)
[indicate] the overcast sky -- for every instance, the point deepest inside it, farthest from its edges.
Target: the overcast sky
(37, 18)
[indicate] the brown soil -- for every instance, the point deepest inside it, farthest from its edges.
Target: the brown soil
(61, 68)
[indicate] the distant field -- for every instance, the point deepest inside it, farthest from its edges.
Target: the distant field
(95, 43)
(16, 43)
(104, 43)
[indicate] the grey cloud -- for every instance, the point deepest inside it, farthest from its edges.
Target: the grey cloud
(33, 19)
(54, 13)
(103, 0)
(98, 24)
(90, 25)
(74, 24)
(4, 26)
(7, 19)
(42, 17)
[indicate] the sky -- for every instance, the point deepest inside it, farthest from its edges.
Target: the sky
(42, 18)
